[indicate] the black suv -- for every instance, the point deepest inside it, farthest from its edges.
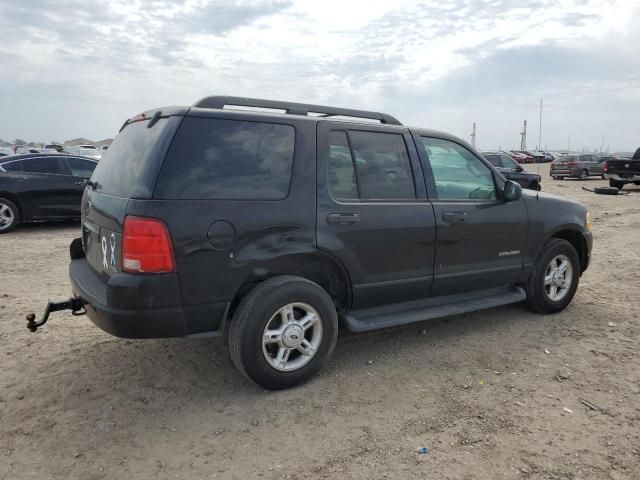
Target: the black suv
(275, 227)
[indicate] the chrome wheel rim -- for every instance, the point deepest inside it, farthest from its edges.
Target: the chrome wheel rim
(292, 337)
(6, 216)
(558, 278)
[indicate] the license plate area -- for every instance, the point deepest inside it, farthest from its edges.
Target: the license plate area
(102, 248)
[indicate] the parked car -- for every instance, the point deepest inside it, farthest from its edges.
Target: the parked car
(89, 151)
(511, 170)
(5, 151)
(41, 187)
(274, 229)
(622, 171)
(577, 166)
(54, 147)
(22, 149)
(521, 157)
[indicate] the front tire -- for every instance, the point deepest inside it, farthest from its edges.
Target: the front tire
(9, 215)
(283, 331)
(555, 277)
(583, 175)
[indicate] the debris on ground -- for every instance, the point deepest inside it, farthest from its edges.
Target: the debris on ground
(568, 410)
(593, 406)
(423, 450)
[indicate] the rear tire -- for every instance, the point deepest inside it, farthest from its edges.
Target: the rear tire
(549, 290)
(268, 333)
(9, 215)
(616, 184)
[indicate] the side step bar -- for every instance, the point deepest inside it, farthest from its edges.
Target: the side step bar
(430, 308)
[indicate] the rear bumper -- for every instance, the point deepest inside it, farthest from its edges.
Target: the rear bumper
(563, 172)
(130, 306)
(622, 178)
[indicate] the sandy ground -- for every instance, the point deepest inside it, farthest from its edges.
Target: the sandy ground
(494, 394)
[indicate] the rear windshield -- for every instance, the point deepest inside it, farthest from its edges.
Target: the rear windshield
(129, 167)
(493, 160)
(227, 159)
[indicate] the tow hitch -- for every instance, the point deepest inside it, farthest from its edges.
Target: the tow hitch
(75, 304)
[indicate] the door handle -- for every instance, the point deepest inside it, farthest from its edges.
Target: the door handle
(454, 217)
(81, 182)
(342, 218)
(19, 179)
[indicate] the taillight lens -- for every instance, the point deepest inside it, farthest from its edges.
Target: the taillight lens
(146, 246)
(606, 167)
(571, 164)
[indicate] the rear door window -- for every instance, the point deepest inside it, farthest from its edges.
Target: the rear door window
(383, 169)
(227, 159)
(51, 165)
(495, 160)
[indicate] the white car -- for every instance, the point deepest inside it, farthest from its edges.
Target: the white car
(84, 150)
(5, 152)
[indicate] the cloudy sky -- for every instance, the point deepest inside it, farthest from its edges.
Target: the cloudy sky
(80, 68)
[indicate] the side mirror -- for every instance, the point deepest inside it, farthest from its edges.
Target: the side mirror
(519, 168)
(512, 191)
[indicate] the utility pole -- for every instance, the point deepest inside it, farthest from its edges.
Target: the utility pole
(540, 128)
(569, 144)
(602, 144)
(473, 135)
(523, 134)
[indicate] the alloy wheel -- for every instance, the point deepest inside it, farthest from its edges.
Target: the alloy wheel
(558, 278)
(292, 336)
(7, 216)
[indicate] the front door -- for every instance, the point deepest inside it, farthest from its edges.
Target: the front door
(481, 239)
(373, 214)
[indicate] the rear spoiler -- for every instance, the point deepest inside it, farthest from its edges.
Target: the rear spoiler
(154, 115)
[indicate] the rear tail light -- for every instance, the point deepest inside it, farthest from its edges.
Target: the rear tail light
(606, 167)
(571, 164)
(146, 246)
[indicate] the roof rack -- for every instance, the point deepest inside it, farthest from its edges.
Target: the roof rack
(292, 108)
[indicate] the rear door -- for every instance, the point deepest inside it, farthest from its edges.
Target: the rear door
(481, 239)
(372, 212)
(46, 187)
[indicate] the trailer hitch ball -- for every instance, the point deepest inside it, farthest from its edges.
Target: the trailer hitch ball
(31, 322)
(75, 304)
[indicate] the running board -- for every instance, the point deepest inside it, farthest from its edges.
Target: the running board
(430, 308)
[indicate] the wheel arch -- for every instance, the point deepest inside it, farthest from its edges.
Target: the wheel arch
(16, 201)
(577, 240)
(319, 267)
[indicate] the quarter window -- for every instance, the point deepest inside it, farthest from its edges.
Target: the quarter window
(227, 159)
(81, 168)
(458, 173)
(13, 166)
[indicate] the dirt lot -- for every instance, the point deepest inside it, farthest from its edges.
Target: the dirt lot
(494, 394)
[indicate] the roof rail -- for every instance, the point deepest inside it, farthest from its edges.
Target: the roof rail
(292, 108)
